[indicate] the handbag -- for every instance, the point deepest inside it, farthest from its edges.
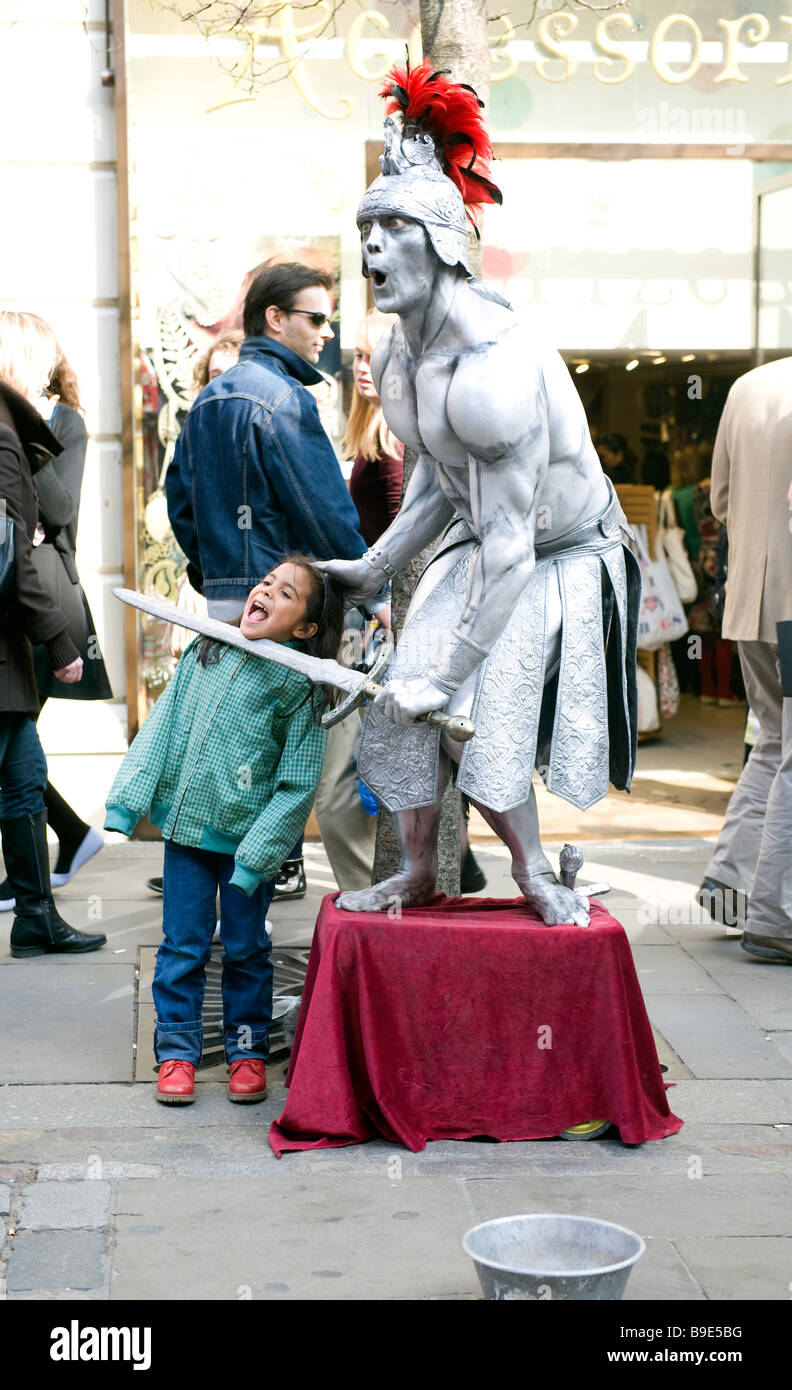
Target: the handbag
(54, 570)
(6, 554)
(667, 683)
(671, 544)
(662, 617)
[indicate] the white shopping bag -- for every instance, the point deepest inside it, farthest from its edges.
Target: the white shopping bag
(671, 543)
(662, 617)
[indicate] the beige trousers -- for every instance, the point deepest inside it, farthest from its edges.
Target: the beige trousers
(754, 849)
(348, 832)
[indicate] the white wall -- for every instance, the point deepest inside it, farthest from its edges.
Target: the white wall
(58, 258)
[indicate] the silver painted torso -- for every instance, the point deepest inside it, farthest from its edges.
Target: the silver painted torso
(434, 404)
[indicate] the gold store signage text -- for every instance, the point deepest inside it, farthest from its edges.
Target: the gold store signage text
(618, 63)
(613, 39)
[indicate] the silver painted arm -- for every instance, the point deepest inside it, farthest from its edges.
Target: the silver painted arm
(425, 510)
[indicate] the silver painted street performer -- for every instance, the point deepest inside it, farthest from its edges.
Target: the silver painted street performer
(525, 619)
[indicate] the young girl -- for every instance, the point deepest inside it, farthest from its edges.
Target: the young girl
(227, 764)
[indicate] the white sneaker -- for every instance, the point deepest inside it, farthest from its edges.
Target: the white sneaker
(90, 846)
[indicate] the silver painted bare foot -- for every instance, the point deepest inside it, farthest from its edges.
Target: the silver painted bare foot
(556, 905)
(402, 890)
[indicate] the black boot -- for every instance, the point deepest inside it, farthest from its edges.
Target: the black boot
(38, 929)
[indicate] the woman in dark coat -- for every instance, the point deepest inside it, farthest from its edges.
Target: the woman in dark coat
(28, 616)
(59, 484)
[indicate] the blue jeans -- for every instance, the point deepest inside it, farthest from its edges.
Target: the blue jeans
(23, 767)
(191, 878)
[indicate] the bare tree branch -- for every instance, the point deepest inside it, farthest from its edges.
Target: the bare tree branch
(248, 22)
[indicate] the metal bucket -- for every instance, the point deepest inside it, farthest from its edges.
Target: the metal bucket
(552, 1257)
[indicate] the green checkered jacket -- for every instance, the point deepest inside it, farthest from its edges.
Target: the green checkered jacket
(228, 760)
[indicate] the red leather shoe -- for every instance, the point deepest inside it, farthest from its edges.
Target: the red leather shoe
(176, 1082)
(248, 1080)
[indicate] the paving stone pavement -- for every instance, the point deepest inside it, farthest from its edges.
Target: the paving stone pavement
(106, 1195)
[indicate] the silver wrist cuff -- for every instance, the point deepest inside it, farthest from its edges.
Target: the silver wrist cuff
(455, 663)
(379, 561)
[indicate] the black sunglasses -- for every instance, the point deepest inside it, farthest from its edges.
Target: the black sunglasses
(318, 319)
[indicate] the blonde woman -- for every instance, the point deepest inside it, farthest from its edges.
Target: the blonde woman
(376, 482)
(58, 486)
(29, 616)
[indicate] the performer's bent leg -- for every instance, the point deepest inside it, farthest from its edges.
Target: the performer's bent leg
(416, 881)
(531, 869)
(519, 827)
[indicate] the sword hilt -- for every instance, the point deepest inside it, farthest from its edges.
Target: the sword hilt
(456, 726)
(570, 862)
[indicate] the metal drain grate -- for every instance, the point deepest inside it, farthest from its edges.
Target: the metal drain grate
(289, 965)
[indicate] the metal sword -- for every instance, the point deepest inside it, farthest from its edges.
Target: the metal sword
(359, 686)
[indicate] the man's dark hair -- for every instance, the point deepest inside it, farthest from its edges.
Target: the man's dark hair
(278, 285)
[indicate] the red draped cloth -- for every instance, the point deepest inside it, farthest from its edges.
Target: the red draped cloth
(469, 1017)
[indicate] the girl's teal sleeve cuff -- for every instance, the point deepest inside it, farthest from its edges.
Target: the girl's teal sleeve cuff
(245, 879)
(119, 818)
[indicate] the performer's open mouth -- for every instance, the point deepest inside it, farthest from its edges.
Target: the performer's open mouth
(379, 277)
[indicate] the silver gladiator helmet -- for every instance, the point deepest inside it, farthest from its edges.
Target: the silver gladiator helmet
(435, 167)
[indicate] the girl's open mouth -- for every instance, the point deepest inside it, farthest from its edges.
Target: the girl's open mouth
(257, 612)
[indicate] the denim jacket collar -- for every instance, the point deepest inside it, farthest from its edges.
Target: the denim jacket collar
(259, 348)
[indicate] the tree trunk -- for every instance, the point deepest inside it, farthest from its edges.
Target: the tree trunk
(454, 34)
(387, 853)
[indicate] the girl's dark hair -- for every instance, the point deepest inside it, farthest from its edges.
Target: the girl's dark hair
(325, 607)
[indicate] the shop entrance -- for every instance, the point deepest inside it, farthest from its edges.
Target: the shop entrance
(662, 280)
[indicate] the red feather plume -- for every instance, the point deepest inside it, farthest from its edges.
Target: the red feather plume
(451, 113)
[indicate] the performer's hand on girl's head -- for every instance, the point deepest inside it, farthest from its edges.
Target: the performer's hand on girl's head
(359, 581)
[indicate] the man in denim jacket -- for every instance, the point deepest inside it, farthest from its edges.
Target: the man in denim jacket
(254, 475)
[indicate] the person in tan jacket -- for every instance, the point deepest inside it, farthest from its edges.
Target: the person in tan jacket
(752, 493)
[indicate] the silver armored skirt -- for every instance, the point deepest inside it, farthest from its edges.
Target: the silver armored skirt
(557, 691)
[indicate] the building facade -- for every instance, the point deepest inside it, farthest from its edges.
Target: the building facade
(644, 154)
